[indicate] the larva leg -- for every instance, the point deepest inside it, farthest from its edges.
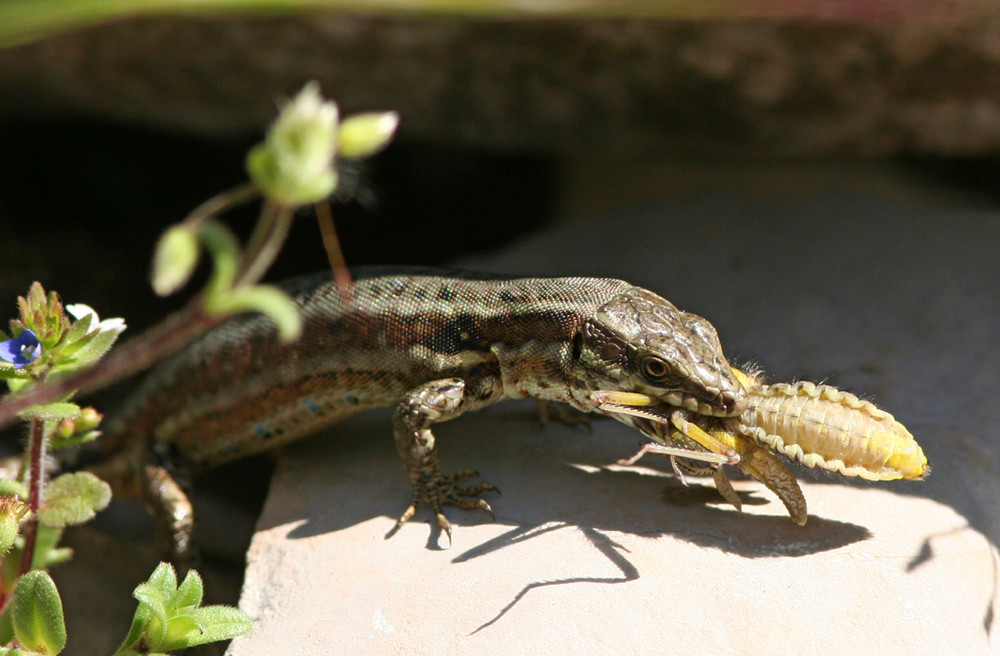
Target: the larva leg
(725, 488)
(673, 452)
(763, 466)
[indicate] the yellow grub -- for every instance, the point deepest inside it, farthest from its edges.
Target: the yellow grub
(817, 425)
(822, 426)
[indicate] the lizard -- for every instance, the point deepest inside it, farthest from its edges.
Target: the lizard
(433, 345)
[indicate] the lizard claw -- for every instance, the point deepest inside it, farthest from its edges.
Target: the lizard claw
(440, 490)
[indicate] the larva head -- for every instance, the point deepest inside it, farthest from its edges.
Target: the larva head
(639, 342)
(907, 457)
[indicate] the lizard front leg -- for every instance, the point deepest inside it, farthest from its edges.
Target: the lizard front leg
(438, 400)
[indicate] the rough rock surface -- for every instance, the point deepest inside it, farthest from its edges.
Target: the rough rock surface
(858, 276)
(828, 80)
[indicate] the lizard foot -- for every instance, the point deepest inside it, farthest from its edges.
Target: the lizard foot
(438, 490)
(562, 413)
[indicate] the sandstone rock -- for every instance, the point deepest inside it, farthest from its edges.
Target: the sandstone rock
(862, 277)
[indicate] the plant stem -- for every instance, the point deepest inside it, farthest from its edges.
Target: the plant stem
(36, 475)
(178, 329)
(265, 242)
(334, 253)
(221, 202)
(130, 358)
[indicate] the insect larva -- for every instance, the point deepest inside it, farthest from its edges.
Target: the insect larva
(817, 425)
(822, 426)
(713, 441)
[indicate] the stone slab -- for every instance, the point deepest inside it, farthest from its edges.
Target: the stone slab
(863, 276)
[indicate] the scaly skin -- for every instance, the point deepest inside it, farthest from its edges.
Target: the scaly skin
(432, 344)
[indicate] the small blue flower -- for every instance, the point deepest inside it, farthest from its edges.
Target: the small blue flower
(21, 350)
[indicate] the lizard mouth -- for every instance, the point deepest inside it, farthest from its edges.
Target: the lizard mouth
(660, 408)
(644, 406)
(662, 419)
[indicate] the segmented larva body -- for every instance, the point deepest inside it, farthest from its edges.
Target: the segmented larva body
(822, 426)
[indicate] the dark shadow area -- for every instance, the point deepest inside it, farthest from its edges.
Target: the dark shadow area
(979, 175)
(84, 202)
(611, 550)
(545, 483)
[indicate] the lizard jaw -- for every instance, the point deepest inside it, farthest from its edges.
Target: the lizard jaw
(663, 419)
(645, 405)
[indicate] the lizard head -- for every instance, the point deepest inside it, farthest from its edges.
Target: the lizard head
(640, 343)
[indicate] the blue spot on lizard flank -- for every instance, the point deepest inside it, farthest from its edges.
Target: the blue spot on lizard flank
(351, 398)
(312, 405)
(263, 430)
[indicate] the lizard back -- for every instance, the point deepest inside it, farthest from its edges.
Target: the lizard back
(237, 390)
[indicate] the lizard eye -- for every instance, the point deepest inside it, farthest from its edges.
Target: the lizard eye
(656, 369)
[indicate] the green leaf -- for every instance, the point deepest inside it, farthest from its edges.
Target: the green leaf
(7, 370)
(10, 487)
(189, 593)
(17, 383)
(37, 614)
(140, 625)
(169, 616)
(77, 331)
(267, 300)
(149, 624)
(90, 350)
(73, 499)
(47, 549)
(182, 632)
(175, 259)
(88, 339)
(51, 412)
(151, 597)
(6, 627)
(47, 553)
(221, 623)
(164, 579)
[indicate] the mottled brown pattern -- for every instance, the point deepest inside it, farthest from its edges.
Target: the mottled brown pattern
(432, 344)
(209, 400)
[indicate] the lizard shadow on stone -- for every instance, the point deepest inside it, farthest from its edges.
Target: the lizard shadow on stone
(559, 480)
(695, 514)
(608, 547)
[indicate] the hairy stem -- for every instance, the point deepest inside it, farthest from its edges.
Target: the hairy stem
(334, 253)
(265, 242)
(36, 482)
(221, 202)
(128, 359)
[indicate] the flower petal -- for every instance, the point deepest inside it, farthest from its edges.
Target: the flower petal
(21, 350)
(80, 310)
